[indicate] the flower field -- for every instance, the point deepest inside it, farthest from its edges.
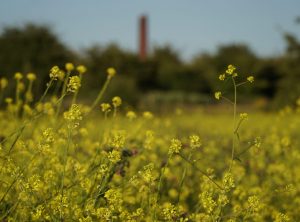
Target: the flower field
(66, 161)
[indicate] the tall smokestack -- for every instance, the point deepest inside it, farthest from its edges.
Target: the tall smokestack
(143, 37)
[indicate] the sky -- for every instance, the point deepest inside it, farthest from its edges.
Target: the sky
(190, 26)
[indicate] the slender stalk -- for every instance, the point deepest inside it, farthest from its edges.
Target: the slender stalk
(100, 94)
(234, 123)
(201, 171)
(64, 172)
(63, 92)
(160, 184)
(46, 91)
(183, 178)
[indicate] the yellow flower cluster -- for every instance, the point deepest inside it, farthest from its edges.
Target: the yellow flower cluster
(74, 84)
(175, 146)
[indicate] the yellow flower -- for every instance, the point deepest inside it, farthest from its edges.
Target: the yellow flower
(131, 115)
(31, 76)
(195, 142)
(117, 101)
(250, 79)
(175, 147)
(111, 72)
(73, 114)
(54, 72)
(114, 156)
(230, 69)
(69, 66)
(218, 95)
(74, 84)
(81, 69)
(222, 77)
(147, 115)
(3, 83)
(18, 76)
(105, 107)
(244, 115)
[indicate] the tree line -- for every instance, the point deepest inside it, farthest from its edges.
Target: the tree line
(164, 77)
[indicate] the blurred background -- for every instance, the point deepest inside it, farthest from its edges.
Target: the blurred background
(166, 53)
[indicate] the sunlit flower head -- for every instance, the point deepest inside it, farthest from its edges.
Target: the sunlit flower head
(54, 72)
(244, 116)
(218, 95)
(18, 76)
(105, 107)
(117, 101)
(31, 76)
(222, 77)
(81, 69)
(69, 66)
(250, 79)
(111, 72)
(3, 83)
(230, 69)
(74, 84)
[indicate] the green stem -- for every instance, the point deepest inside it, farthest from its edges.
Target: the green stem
(64, 171)
(234, 127)
(201, 171)
(63, 92)
(46, 91)
(100, 94)
(160, 185)
(183, 178)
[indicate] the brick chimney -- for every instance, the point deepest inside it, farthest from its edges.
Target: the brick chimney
(143, 37)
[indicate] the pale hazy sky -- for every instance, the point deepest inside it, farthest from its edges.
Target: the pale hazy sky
(191, 26)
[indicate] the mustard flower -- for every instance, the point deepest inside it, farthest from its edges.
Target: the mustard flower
(31, 76)
(111, 72)
(175, 146)
(114, 156)
(218, 95)
(74, 84)
(131, 115)
(230, 69)
(105, 107)
(18, 76)
(116, 101)
(254, 204)
(114, 196)
(244, 116)
(281, 217)
(69, 66)
(169, 212)
(257, 142)
(228, 182)
(195, 142)
(222, 77)
(74, 113)
(250, 79)
(48, 135)
(207, 202)
(54, 73)
(3, 83)
(81, 69)
(147, 115)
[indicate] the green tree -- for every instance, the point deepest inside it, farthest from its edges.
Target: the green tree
(31, 48)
